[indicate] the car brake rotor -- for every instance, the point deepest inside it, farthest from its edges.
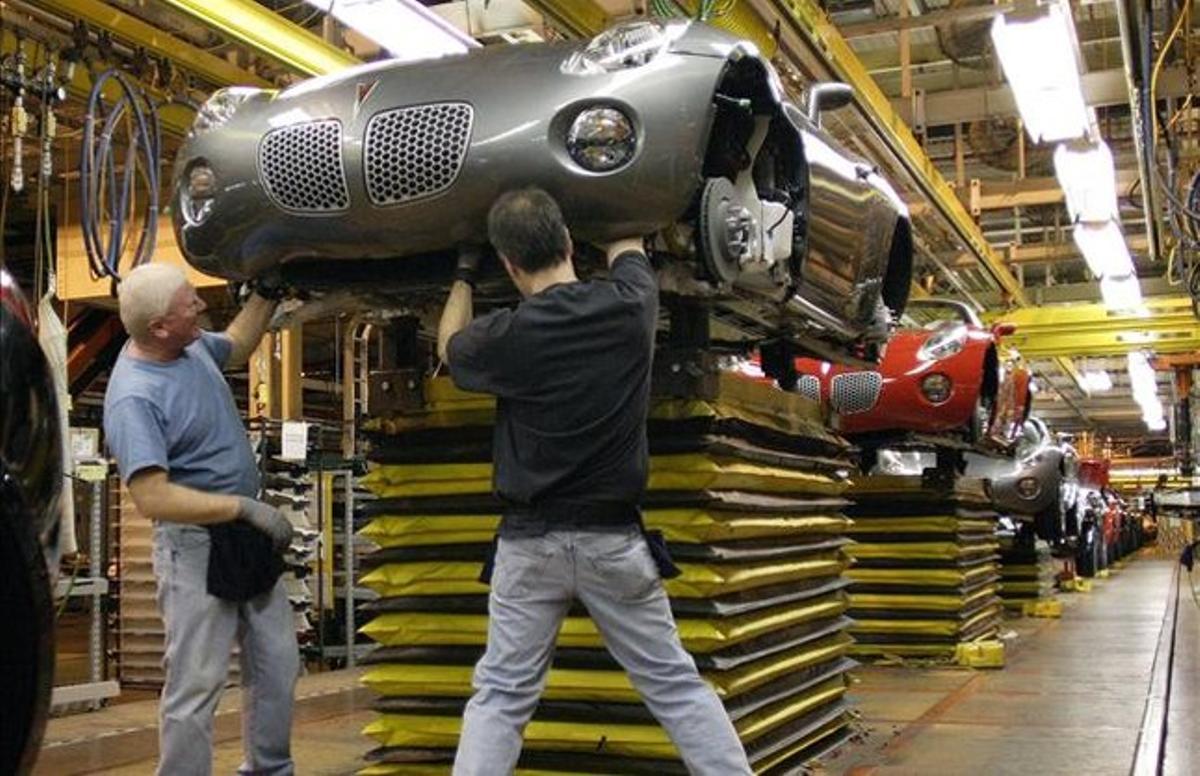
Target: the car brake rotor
(729, 231)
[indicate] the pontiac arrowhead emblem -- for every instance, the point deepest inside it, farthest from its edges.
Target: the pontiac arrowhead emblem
(363, 93)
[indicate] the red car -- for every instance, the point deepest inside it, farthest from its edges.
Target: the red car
(943, 374)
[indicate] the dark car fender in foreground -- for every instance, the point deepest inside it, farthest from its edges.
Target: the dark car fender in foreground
(31, 480)
(379, 174)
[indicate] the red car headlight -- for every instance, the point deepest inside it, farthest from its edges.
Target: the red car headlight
(936, 387)
(945, 342)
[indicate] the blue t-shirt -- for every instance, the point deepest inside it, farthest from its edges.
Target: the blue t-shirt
(180, 417)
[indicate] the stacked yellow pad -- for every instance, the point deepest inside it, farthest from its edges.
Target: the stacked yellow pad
(925, 566)
(1027, 570)
(747, 488)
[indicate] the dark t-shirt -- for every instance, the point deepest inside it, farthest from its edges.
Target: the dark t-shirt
(570, 368)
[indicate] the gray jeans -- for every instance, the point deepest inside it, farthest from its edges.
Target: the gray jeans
(200, 634)
(613, 575)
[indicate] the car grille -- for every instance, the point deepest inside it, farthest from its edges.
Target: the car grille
(855, 392)
(417, 151)
(809, 387)
(301, 167)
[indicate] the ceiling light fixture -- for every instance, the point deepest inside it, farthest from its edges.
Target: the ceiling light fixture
(1085, 172)
(1104, 247)
(1097, 381)
(1145, 390)
(1038, 51)
(1123, 294)
(404, 28)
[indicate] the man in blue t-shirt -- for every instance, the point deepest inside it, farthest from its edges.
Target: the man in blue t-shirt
(570, 369)
(171, 423)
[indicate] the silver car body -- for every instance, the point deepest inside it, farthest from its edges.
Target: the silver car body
(401, 161)
(1041, 479)
(1031, 482)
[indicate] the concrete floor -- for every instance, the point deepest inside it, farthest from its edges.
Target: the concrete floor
(1070, 700)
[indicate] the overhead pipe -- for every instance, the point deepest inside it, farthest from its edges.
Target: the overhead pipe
(1133, 19)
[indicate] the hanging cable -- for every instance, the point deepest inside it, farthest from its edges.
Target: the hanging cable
(102, 196)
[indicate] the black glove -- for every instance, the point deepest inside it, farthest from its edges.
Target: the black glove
(467, 266)
(269, 285)
(267, 519)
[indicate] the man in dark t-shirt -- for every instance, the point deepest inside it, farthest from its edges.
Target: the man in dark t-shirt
(570, 368)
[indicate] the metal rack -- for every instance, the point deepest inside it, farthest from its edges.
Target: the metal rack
(338, 530)
(92, 693)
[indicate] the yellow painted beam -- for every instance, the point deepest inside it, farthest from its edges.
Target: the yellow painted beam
(581, 18)
(291, 369)
(1093, 330)
(134, 30)
(268, 33)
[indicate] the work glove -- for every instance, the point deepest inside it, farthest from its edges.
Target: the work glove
(267, 519)
(467, 266)
(269, 285)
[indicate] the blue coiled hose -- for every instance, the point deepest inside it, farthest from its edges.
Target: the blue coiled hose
(98, 178)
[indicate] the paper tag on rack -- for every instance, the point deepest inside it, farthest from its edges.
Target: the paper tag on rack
(295, 441)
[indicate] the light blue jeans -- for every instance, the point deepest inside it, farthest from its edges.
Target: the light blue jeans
(614, 576)
(201, 630)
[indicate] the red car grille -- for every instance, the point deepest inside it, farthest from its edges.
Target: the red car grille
(809, 387)
(855, 392)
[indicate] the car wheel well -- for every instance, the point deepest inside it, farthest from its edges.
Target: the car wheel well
(897, 280)
(985, 402)
(779, 167)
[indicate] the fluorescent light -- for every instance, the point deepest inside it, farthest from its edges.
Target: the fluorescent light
(1097, 381)
(1145, 390)
(1085, 172)
(1038, 53)
(1123, 293)
(405, 28)
(1104, 248)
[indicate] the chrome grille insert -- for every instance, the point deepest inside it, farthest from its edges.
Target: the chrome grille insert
(417, 151)
(809, 387)
(855, 392)
(301, 167)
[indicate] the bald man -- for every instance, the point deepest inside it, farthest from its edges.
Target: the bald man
(171, 422)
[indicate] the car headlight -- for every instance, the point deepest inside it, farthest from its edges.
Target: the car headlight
(1029, 487)
(601, 139)
(198, 190)
(202, 182)
(943, 343)
(221, 106)
(936, 387)
(622, 47)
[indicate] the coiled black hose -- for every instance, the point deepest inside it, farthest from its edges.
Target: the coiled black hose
(98, 178)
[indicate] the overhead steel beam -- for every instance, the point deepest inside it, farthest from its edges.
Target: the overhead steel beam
(1041, 253)
(1133, 20)
(176, 119)
(1094, 330)
(1028, 192)
(268, 33)
(137, 32)
(1100, 88)
(933, 18)
(581, 18)
(999, 195)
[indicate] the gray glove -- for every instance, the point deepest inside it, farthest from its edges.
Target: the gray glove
(267, 519)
